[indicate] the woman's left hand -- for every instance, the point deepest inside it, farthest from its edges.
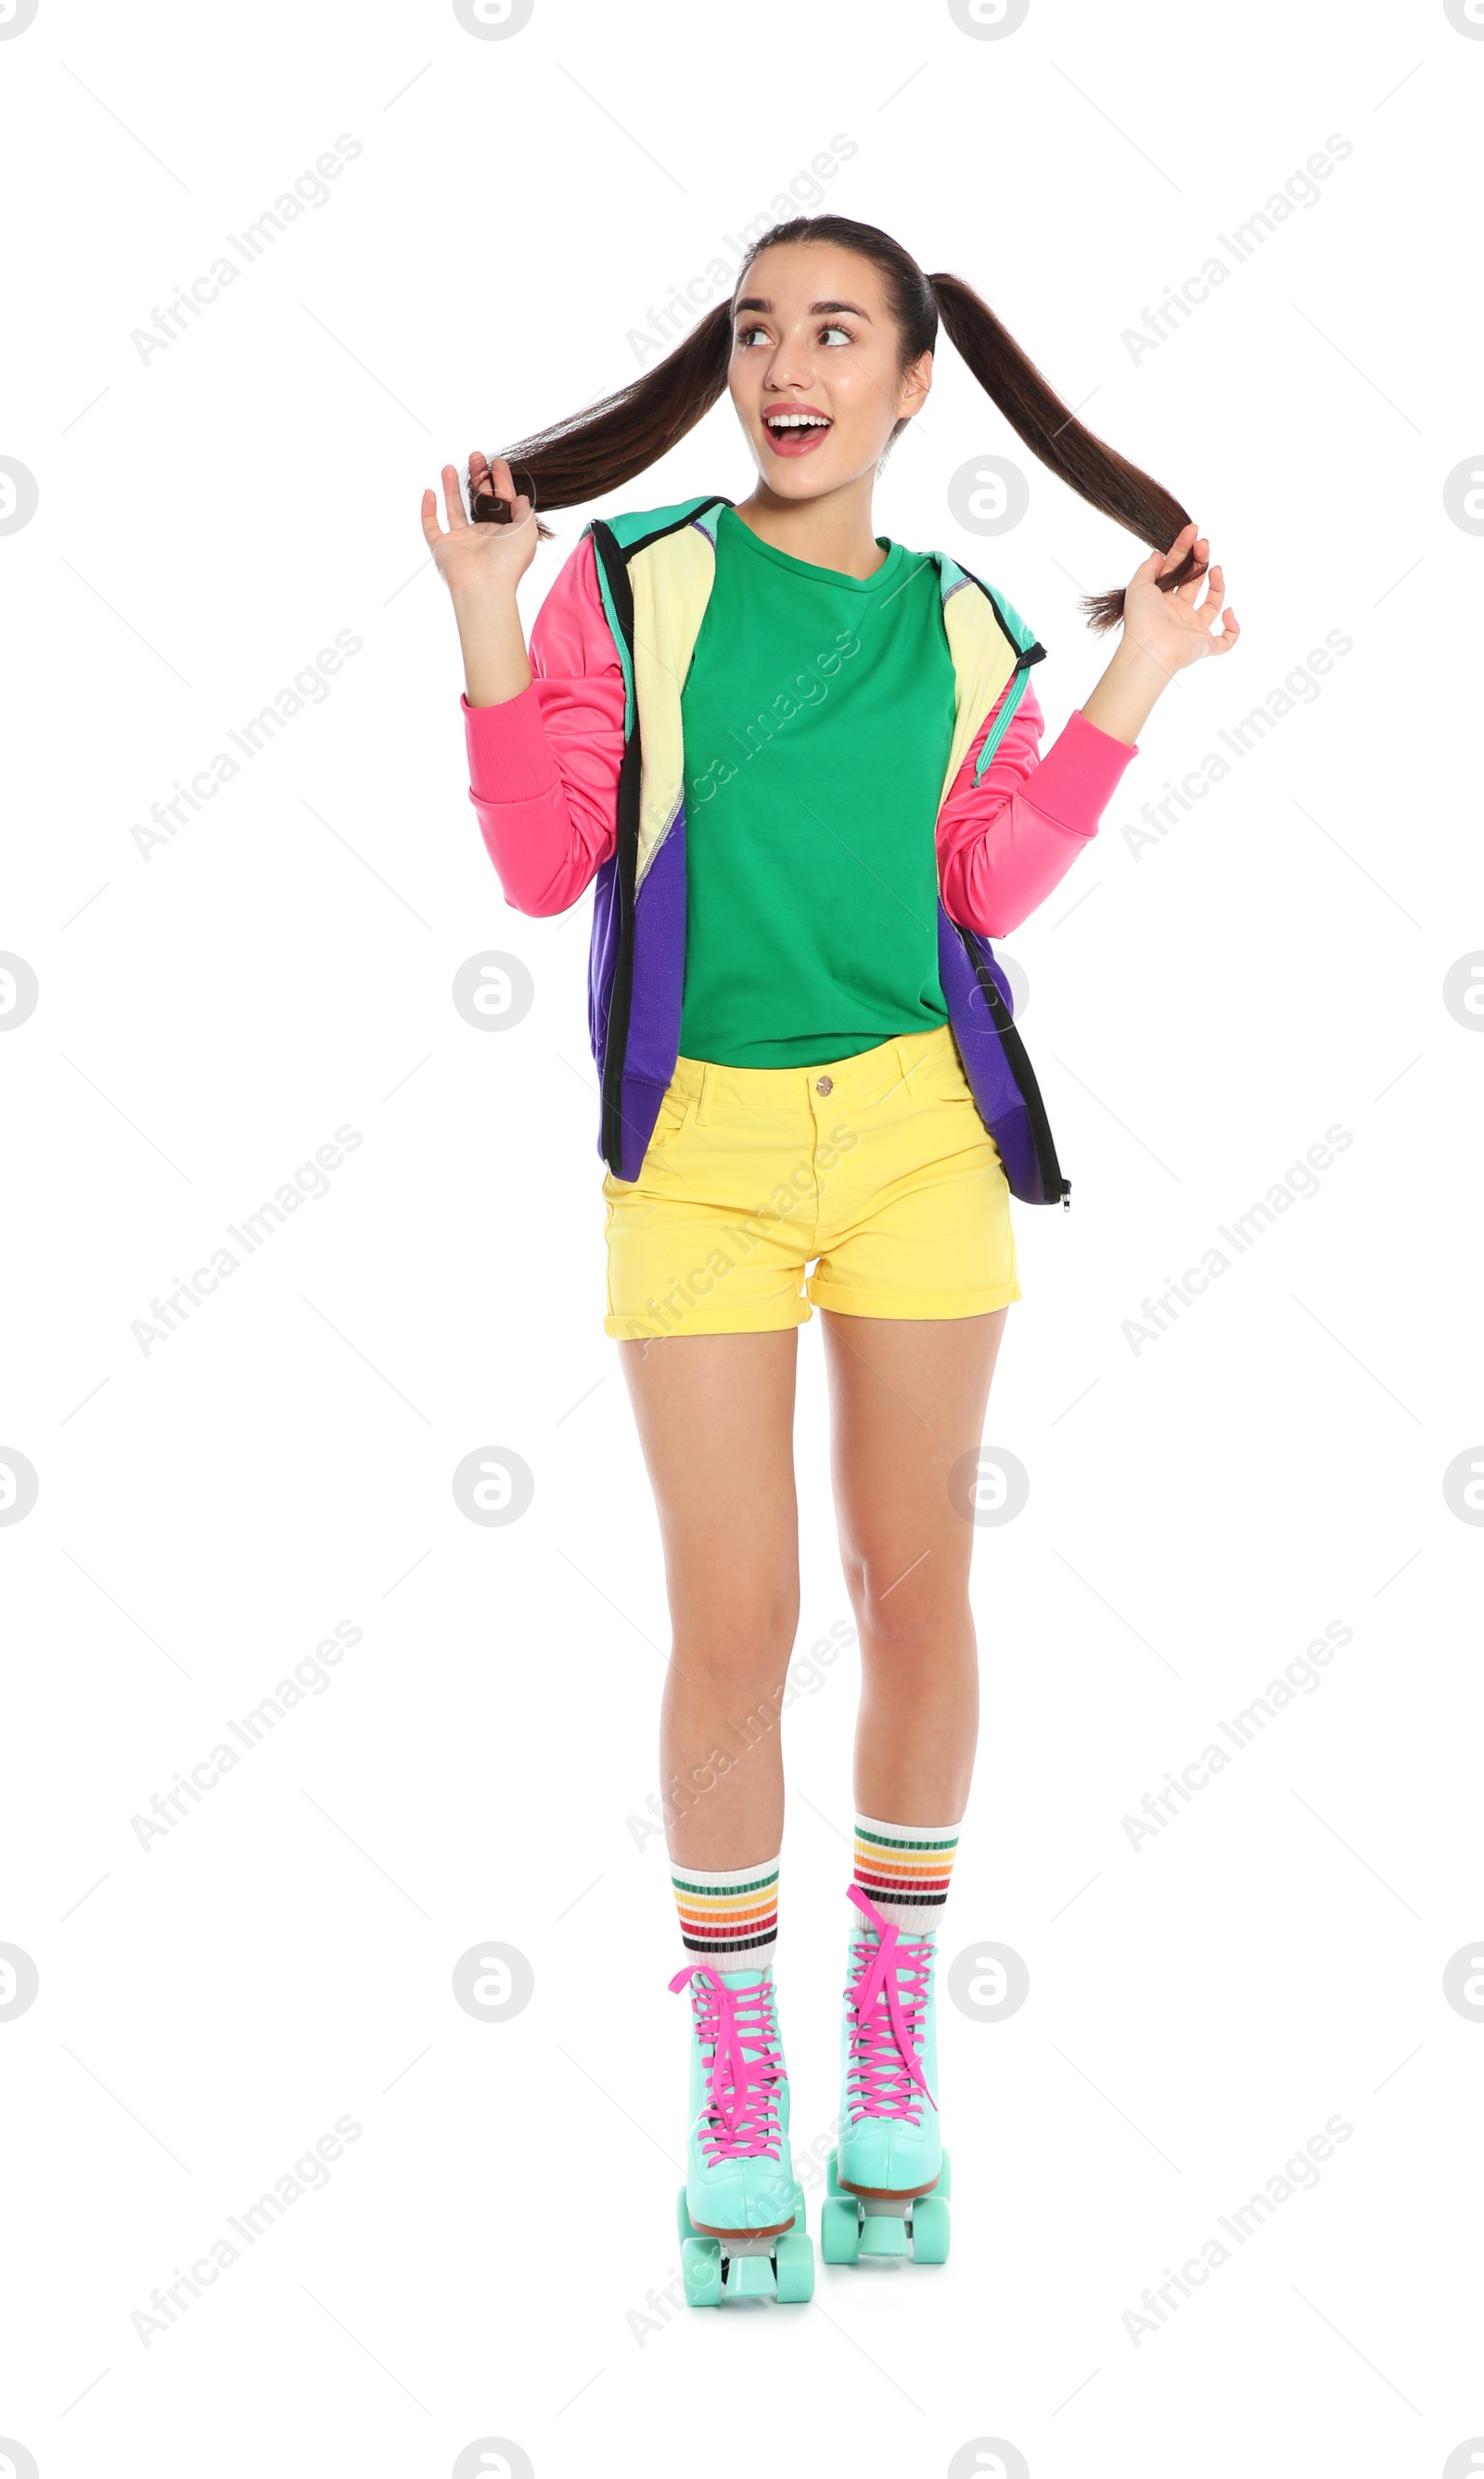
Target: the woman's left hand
(1175, 626)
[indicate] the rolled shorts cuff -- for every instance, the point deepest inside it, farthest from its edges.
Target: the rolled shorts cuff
(716, 1315)
(849, 1300)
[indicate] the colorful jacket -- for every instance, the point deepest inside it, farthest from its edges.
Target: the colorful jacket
(580, 780)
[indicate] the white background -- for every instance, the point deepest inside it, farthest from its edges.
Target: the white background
(1200, 1013)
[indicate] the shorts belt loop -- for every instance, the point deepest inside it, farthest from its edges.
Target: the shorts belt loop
(707, 1091)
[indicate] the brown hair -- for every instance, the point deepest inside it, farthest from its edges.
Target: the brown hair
(592, 452)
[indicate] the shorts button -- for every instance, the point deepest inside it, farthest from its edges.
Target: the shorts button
(825, 1085)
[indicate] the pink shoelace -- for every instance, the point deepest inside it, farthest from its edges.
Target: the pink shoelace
(888, 1996)
(747, 2064)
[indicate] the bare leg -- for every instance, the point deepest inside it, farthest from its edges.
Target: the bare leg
(907, 1400)
(714, 1415)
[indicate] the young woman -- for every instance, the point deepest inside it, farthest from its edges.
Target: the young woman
(801, 763)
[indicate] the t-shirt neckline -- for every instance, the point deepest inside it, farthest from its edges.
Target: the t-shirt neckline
(895, 553)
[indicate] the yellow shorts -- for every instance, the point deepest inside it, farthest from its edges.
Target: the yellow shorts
(879, 1169)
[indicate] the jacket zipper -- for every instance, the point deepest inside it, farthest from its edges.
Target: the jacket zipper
(1036, 653)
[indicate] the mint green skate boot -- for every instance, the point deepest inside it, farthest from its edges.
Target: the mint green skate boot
(887, 2189)
(743, 2231)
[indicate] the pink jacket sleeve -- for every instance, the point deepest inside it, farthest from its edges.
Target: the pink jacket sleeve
(1007, 842)
(543, 767)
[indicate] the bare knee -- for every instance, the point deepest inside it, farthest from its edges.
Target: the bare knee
(738, 1646)
(911, 1615)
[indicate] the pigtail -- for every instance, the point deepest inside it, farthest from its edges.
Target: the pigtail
(1037, 414)
(597, 450)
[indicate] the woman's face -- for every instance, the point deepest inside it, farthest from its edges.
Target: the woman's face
(812, 334)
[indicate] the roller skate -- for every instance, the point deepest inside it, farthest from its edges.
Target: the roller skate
(887, 2185)
(743, 2232)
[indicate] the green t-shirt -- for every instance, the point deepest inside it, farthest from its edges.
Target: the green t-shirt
(817, 715)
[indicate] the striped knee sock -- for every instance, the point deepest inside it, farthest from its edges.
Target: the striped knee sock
(905, 1869)
(728, 1916)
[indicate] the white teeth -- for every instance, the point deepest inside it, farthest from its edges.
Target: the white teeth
(796, 421)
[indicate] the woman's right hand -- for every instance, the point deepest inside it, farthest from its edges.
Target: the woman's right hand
(475, 560)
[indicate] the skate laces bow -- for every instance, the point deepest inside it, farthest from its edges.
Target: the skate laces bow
(884, 2055)
(741, 2098)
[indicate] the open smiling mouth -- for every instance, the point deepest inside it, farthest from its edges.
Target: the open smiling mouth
(795, 433)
